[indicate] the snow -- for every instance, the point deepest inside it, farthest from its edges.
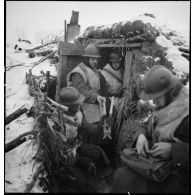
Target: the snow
(18, 162)
(168, 39)
(180, 64)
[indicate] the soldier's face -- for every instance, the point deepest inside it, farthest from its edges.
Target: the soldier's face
(93, 62)
(160, 102)
(115, 65)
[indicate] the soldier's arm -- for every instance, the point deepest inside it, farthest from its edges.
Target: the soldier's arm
(180, 151)
(79, 83)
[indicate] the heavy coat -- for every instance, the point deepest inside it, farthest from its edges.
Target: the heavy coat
(171, 125)
(87, 82)
(126, 180)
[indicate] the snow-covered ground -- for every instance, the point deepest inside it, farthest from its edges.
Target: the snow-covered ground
(18, 162)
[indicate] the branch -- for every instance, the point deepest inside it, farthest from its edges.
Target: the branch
(44, 58)
(183, 49)
(16, 114)
(19, 140)
(30, 185)
(58, 105)
(9, 67)
(186, 55)
(41, 46)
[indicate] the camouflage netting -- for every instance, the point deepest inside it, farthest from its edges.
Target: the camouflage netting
(129, 32)
(54, 150)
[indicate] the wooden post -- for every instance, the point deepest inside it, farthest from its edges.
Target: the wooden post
(65, 32)
(19, 140)
(15, 115)
(47, 81)
(128, 64)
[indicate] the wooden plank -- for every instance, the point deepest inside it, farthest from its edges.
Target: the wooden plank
(128, 65)
(130, 45)
(103, 40)
(71, 52)
(65, 31)
(62, 61)
(72, 46)
(70, 49)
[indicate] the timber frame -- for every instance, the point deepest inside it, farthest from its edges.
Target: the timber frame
(70, 55)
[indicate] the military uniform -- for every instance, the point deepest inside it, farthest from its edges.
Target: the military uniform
(170, 124)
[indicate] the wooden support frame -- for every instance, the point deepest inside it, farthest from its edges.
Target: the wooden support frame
(70, 56)
(114, 43)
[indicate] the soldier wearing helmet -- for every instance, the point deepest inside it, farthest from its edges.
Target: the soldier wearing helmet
(113, 74)
(86, 79)
(86, 157)
(163, 140)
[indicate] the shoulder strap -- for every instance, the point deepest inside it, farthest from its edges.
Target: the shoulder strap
(103, 87)
(113, 75)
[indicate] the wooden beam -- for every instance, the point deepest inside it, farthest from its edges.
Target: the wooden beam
(130, 45)
(19, 140)
(65, 31)
(127, 72)
(15, 114)
(70, 49)
(183, 49)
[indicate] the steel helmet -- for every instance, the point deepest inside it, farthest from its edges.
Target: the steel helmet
(91, 51)
(70, 96)
(157, 82)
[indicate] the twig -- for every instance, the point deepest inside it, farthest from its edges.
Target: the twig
(30, 185)
(58, 105)
(9, 67)
(41, 46)
(43, 59)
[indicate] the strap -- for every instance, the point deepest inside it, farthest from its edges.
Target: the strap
(103, 87)
(113, 75)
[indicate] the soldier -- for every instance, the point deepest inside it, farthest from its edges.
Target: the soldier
(113, 74)
(161, 146)
(77, 129)
(86, 79)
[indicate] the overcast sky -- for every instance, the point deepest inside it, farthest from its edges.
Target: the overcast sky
(50, 15)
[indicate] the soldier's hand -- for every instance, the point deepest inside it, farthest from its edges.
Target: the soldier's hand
(100, 99)
(142, 145)
(162, 149)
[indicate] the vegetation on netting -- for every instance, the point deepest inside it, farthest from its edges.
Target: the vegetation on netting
(129, 32)
(53, 147)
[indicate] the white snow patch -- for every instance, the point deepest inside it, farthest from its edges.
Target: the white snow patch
(19, 162)
(180, 64)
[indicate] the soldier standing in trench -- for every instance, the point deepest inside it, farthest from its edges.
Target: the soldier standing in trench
(91, 83)
(113, 74)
